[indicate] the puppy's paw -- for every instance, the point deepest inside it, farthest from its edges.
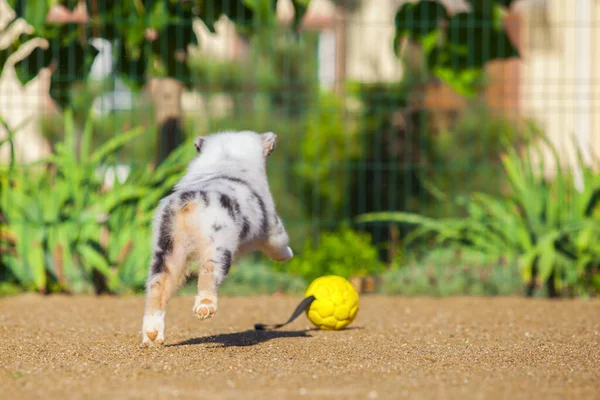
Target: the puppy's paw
(153, 330)
(205, 307)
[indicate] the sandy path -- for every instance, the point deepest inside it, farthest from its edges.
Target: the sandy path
(86, 347)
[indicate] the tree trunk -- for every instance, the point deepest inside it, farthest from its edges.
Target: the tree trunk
(166, 98)
(551, 286)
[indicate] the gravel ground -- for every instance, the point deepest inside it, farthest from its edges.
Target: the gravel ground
(60, 347)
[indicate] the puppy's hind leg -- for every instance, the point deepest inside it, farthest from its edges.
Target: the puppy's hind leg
(159, 289)
(211, 274)
(165, 275)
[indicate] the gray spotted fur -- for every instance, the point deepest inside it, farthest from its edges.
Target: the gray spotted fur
(234, 208)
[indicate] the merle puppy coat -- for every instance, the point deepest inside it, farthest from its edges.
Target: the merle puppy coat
(219, 210)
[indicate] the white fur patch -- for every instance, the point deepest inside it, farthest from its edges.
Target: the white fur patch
(153, 328)
(205, 305)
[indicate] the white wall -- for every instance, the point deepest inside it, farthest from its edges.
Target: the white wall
(555, 91)
(22, 106)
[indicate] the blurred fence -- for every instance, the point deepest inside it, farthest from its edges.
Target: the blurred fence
(362, 129)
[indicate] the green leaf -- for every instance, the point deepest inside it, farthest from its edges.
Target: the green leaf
(113, 145)
(458, 53)
(93, 258)
(464, 82)
(86, 139)
(238, 11)
(418, 20)
(300, 8)
(546, 260)
(526, 263)
(9, 138)
(36, 261)
(117, 197)
(474, 40)
(34, 12)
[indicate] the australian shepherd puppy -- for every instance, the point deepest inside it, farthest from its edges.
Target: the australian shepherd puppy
(220, 209)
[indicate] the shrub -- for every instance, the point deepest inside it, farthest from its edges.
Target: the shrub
(451, 272)
(63, 229)
(280, 66)
(329, 147)
(466, 157)
(344, 252)
(551, 227)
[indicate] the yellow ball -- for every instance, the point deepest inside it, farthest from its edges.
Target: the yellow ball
(335, 305)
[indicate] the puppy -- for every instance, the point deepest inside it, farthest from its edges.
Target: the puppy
(221, 209)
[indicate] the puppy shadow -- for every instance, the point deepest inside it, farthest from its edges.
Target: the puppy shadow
(240, 339)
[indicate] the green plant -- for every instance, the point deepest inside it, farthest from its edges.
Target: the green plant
(452, 272)
(550, 226)
(280, 68)
(329, 146)
(344, 252)
(285, 68)
(57, 214)
(466, 158)
(64, 230)
(212, 75)
(150, 39)
(457, 46)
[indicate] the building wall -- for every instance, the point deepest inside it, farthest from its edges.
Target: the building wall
(551, 80)
(370, 34)
(22, 106)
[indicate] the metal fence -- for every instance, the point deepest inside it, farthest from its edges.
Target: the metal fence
(362, 129)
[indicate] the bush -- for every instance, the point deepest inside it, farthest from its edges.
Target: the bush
(63, 229)
(406, 160)
(280, 66)
(450, 272)
(551, 227)
(466, 158)
(328, 148)
(344, 252)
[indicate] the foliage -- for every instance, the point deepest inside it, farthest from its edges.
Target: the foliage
(390, 148)
(57, 214)
(285, 65)
(394, 138)
(329, 146)
(450, 272)
(217, 75)
(551, 227)
(405, 153)
(456, 46)
(477, 139)
(151, 36)
(280, 66)
(68, 57)
(64, 230)
(344, 252)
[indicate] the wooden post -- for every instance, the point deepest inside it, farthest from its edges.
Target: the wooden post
(166, 98)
